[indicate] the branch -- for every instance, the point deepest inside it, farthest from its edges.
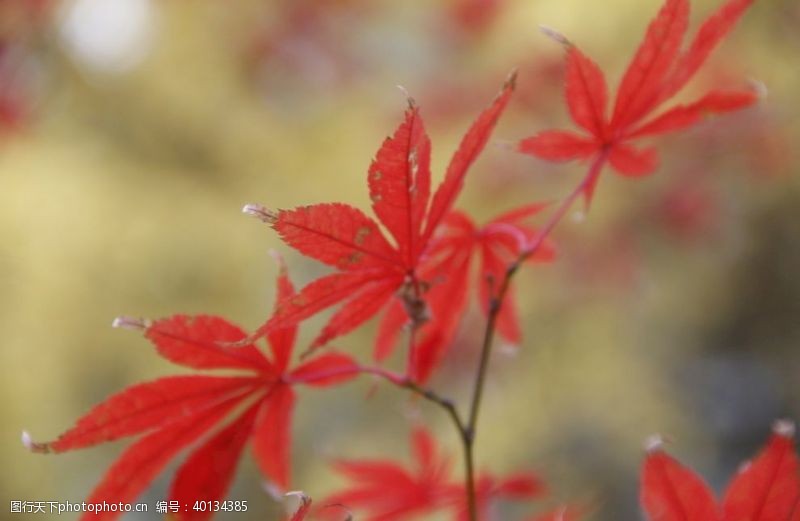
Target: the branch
(397, 380)
(495, 305)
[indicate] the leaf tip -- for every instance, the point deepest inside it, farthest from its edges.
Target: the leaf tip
(273, 490)
(305, 504)
(505, 145)
(784, 428)
(412, 104)
(555, 36)
(653, 443)
(278, 258)
(132, 323)
(27, 440)
(509, 349)
(32, 446)
(261, 213)
(348, 513)
(759, 88)
(297, 493)
(511, 80)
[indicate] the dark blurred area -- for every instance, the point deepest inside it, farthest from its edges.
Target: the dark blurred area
(133, 131)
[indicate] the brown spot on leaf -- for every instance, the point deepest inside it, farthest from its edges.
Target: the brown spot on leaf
(361, 235)
(351, 260)
(299, 300)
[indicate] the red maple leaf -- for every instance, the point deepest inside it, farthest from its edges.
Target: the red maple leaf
(370, 266)
(174, 412)
(304, 508)
(386, 490)
(765, 489)
(383, 489)
(659, 69)
(448, 267)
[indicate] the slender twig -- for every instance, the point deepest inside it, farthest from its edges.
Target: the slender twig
(400, 381)
(346, 371)
(415, 323)
(495, 305)
(410, 381)
(445, 403)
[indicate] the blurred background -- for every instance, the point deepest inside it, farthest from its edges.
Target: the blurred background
(132, 132)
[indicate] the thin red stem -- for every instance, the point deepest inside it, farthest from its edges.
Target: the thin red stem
(411, 361)
(348, 370)
(402, 382)
(495, 305)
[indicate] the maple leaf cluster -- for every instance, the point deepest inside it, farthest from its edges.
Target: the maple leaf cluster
(385, 489)
(449, 269)
(174, 412)
(766, 488)
(657, 72)
(416, 261)
(418, 274)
